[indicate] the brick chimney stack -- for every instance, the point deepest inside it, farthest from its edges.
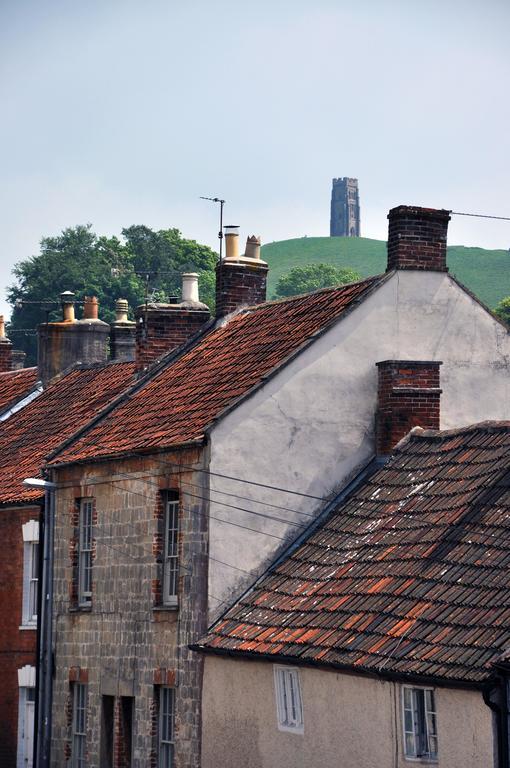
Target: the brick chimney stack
(122, 334)
(163, 327)
(18, 359)
(240, 280)
(417, 238)
(5, 348)
(409, 396)
(70, 341)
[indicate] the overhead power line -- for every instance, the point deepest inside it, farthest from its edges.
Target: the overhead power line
(480, 215)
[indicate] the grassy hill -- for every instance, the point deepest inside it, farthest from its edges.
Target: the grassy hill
(486, 273)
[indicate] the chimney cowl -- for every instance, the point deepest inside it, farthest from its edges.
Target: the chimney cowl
(122, 334)
(121, 312)
(67, 300)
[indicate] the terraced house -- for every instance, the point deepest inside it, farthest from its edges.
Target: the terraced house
(188, 485)
(381, 638)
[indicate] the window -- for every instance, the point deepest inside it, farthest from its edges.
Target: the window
(288, 699)
(85, 552)
(170, 548)
(78, 757)
(419, 714)
(30, 572)
(166, 727)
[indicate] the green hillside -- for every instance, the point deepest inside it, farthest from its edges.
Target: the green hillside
(486, 273)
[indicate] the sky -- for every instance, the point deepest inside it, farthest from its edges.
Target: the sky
(120, 112)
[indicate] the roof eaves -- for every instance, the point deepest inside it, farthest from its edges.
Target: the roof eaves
(296, 661)
(138, 452)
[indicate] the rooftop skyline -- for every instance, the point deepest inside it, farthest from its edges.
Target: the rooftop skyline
(124, 113)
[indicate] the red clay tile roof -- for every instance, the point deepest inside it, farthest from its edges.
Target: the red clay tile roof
(411, 575)
(177, 404)
(15, 385)
(67, 404)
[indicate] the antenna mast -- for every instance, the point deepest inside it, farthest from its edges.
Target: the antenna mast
(220, 233)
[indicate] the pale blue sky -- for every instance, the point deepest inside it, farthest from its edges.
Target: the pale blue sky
(117, 112)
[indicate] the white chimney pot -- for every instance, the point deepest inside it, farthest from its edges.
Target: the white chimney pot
(190, 286)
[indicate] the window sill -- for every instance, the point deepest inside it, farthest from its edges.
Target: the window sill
(33, 627)
(80, 609)
(174, 607)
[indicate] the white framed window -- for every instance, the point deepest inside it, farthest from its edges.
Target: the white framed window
(419, 723)
(171, 548)
(166, 707)
(85, 552)
(30, 532)
(289, 706)
(79, 734)
(26, 708)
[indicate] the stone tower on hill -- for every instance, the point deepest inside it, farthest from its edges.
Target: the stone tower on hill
(344, 220)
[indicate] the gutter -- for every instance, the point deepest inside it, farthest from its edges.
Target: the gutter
(374, 674)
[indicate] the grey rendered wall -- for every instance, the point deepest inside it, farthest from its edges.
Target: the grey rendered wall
(349, 721)
(311, 427)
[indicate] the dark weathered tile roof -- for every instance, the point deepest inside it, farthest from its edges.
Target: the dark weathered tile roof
(66, 405)
(411, 575)
(16, 385)
(179, 402)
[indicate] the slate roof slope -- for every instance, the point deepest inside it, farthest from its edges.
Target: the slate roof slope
(178, 403)
(16, 385)
(68, 403)
(411, 575)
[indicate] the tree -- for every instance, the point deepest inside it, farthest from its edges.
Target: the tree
(81, 261)
(502, 310)
(310, 278)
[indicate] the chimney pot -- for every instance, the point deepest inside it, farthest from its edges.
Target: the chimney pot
(190, 286)
(122, 334)
(90, 308)
(231, 241)
(67, 300)
(121, 311)
(2, 327)
(252, 247)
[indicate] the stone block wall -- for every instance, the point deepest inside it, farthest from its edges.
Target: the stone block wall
(128, 644)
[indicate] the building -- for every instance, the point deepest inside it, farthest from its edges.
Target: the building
(189, 484)
(382, 635)
(345, 210)
(32, 422)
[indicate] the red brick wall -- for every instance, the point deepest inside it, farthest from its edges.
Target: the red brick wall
(5, 356)
(17, 647)
(417, 238)
(239, 285)
(158, 331)
(409, 396)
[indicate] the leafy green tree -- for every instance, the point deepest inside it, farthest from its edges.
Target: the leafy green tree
(502, 310)
(310, 278)
(81, 261)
